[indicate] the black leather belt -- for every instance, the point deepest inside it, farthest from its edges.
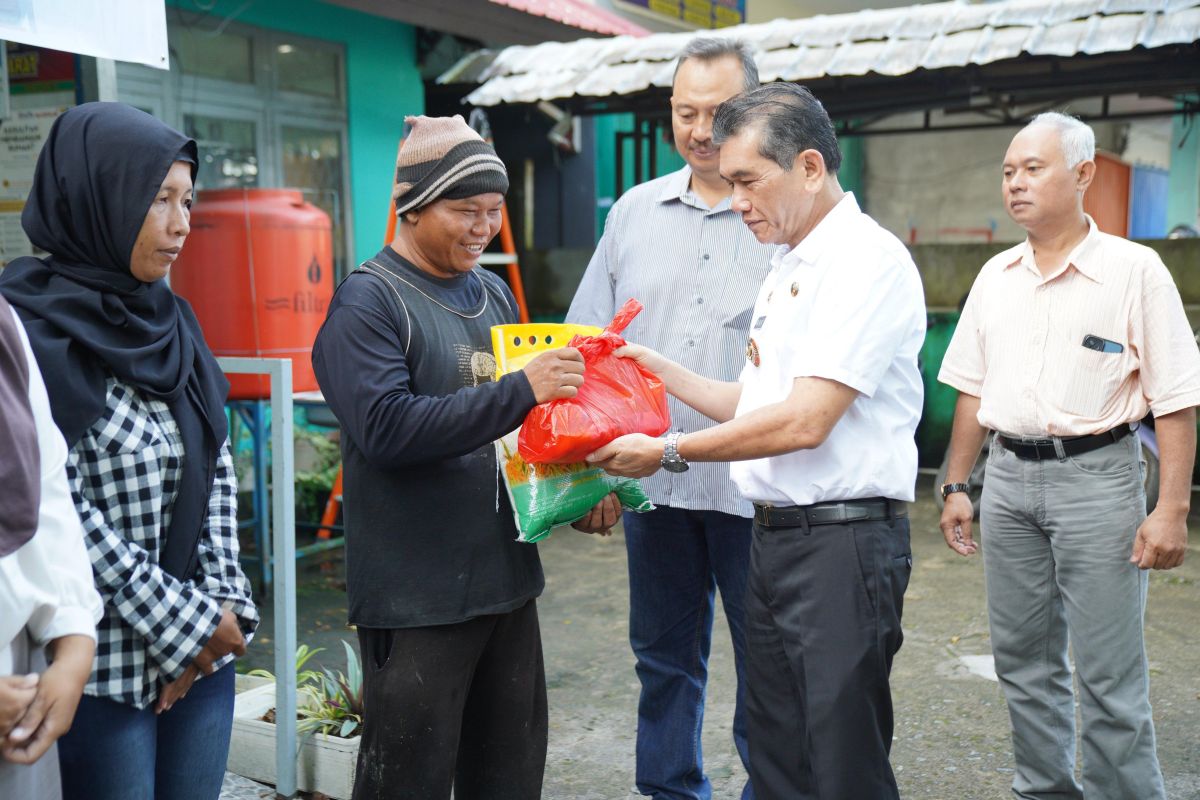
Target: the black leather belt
(1043, 449)
(868, 510)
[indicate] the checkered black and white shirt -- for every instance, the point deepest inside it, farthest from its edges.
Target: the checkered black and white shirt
(124, 475)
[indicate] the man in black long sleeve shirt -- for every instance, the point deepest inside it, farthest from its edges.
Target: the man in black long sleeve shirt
(442, 594)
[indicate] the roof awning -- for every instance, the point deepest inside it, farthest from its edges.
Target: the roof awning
(503, 21)
(982, 58)
(578, 14)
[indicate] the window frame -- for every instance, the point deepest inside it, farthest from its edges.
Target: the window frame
(173, 94)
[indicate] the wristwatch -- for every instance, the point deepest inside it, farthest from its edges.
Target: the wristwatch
(950, 488)
(671, 460)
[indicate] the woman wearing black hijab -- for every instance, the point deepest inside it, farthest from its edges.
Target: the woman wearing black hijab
(140, 400)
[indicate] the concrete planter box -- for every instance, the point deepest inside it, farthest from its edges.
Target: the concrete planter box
(326, 763)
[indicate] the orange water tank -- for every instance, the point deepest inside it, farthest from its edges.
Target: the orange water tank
(258, 270)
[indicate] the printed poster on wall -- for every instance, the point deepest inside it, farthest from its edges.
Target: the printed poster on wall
(41, 86)
(701, 13)
(21, 138)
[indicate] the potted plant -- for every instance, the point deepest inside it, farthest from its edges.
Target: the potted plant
(329, 709)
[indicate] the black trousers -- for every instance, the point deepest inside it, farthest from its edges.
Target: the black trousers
(822, 625)
(460, 705)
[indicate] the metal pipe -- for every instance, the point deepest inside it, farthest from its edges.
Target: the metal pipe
(1016, 123)
(283, 478)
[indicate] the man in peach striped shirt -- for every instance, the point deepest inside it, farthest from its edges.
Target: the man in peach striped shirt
(1065, 341)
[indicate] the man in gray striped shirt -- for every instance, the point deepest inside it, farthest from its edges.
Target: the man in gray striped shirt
(675, 244)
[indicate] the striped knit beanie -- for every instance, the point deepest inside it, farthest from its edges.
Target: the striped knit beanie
(442, 157)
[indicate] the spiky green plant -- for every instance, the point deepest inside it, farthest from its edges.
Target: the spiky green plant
(332, 703)
(303, 676)
(328, 702)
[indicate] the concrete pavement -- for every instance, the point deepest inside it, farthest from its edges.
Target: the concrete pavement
(952, 739)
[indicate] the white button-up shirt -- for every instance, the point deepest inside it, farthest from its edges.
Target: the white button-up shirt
(46, 586)
(1019, 343)
(846, 305)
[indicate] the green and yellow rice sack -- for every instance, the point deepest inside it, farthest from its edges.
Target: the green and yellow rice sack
(544, 496)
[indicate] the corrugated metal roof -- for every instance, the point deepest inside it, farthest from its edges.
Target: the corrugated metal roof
(894, 41)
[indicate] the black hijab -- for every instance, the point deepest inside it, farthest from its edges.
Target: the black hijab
(20, 460)
(88, 317)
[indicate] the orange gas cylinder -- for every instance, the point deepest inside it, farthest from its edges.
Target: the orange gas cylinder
(258, 270)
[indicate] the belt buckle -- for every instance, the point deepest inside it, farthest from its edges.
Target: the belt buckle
(831, 514)
(860, 514)
(1026, 440)
(1035, 442)
(1021, 443)
(1049, 445)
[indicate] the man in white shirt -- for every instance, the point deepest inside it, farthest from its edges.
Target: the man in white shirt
(1067, 340)
(820, 429)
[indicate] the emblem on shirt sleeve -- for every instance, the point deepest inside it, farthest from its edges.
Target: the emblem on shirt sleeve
(752, 351)
(795, 289)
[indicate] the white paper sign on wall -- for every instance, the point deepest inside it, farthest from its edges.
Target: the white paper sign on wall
(122, 30)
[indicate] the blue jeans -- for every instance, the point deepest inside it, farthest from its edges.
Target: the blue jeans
(116, 752)
(676, 559)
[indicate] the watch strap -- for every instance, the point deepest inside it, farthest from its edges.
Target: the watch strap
(671, 449)
(950, 488)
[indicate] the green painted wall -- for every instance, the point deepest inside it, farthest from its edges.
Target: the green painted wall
(1183, 199)
(850, 174)
(669, 160)
(383, 86)
(607, 127)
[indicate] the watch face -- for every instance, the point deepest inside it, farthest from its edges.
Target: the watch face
(675, 466)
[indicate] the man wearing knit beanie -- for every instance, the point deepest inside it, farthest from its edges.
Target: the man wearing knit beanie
(444, 157)
(443, 595)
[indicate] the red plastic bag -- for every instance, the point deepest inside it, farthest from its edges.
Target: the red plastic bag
(618, 396)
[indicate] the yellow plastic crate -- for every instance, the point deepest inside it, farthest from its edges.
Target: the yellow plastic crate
(515, 345)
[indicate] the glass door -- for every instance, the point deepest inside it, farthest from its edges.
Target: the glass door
(229, 155)
(313, 162)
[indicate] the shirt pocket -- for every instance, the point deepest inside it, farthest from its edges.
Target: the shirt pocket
(117, 441)
(125, 429)
(1086, 379)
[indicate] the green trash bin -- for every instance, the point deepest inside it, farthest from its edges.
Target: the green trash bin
(937, 414)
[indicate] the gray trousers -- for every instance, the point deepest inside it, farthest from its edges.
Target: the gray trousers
(1057, 536)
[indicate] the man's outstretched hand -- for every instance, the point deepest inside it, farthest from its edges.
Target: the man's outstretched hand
(634, 455)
